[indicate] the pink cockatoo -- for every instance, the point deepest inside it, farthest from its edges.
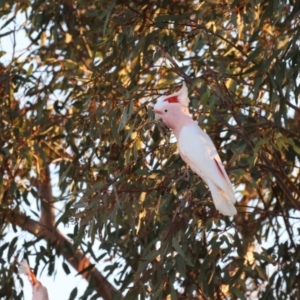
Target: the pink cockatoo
(39, 292)
(196, 148)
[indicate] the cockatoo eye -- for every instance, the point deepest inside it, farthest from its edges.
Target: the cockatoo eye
(166, 110)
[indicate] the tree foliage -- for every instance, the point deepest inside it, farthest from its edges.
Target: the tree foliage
(79, 100)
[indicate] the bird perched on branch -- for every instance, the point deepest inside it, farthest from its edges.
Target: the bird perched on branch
(39, 292)
(196, 148)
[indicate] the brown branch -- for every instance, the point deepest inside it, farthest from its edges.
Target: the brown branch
(43, 184)
(75, 257)
(177, 69)
(285, 219)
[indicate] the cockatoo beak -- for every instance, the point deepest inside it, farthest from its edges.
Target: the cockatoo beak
(157, 114)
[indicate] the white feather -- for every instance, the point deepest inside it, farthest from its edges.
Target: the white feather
(198, 151)
(221, 199)
(39, 292)
(182, 95)
(24, 268)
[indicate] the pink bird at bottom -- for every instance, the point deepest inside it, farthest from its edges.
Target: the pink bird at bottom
(39, 292)
(197, 149)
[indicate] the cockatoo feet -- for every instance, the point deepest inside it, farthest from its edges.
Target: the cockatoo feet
(186, 175)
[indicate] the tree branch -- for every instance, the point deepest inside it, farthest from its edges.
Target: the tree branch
(74, 256)
(43, 184)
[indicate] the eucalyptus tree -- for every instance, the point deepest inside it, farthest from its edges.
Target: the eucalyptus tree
(76, 107)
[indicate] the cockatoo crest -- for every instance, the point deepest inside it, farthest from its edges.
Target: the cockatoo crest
(179, 97)
(25, 269)
(39, 292)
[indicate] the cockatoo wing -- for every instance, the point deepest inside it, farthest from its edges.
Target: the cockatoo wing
(197, 147)
(198, 151)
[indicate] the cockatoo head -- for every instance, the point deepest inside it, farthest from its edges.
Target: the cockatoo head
(169, 108)
(171, 103)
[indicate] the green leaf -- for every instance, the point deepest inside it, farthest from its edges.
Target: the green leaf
(238, 293)
(108, 14)
(12, 247)
(30, 69)
(132, 293)
(66, 268)
(177, 247)
(261, 272)
(73, 294)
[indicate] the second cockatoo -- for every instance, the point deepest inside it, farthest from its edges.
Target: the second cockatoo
(196, 148)
(39, 292)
